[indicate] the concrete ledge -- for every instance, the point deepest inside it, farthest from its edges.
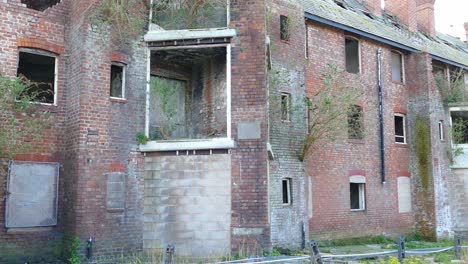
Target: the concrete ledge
(156, 35)
(221, 143)
(247, 231)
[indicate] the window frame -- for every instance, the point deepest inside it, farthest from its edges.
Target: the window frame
(124, 74)
(190, 144)
(361, 182)
(360, 135)
(404, 129)
(288, 106)
(441, 130)
(401, 180)
(346, 37)
(402, 67)
(285, 26)
(288, 191)
(46, 54)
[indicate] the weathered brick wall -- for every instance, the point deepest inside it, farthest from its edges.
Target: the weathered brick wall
(332, 162)
(26, 28)
(249, 223)
(289, 223)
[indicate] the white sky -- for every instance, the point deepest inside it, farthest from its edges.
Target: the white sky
(450, 16)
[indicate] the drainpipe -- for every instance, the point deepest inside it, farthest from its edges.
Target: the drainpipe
(381, 123)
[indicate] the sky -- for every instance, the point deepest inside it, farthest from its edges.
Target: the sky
(450, 16)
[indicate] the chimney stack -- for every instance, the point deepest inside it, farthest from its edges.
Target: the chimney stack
(405, 11)
(466, 31)
(425, 16)
(374, 6)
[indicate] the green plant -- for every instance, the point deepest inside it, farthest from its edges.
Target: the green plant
(423, 150)
(22, 121)
(453, 89)
(164, 95)
(141, 138)
(74, 248)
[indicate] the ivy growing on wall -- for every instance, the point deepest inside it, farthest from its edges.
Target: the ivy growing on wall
(423, 150)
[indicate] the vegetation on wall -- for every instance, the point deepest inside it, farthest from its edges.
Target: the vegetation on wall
(452, 90)
(422, 143)
(165, 93)
(22, 122)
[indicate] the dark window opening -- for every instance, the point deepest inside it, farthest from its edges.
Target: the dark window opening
(441, 130)
(397, 67)
(117, 81)
(352, 55)
(285, 27)
(357, 196)
(286, 191)
(285, 106)
(39, 70)
(355, 122)
(400, 132)
(188, 95)
(459, 131)
(39, 5)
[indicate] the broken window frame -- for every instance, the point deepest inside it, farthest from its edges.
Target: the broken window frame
(46, 54)
(286, 191)
(401, 66)
(347, 37)
(190, 143)
(457, 109)
(404, 128)
(361, 183)
(124, 69)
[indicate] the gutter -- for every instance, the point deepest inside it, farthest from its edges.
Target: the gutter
(377, 38)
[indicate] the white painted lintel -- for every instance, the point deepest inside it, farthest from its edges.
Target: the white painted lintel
(160, 35)
(153, 146)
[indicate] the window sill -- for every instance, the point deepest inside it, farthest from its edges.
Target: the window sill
(219, 143)
(169, 35)
(401, 145)
(398, 83)
(358, 210)
(118, 100)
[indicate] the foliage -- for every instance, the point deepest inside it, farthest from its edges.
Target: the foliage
(329, 108)
(190, 14)
(141, 138)
(380, 239)
(457, 133)
(423, 150)
(72, 246)
(164, 93)
(22, 121)
(452, 90)
(126, 19)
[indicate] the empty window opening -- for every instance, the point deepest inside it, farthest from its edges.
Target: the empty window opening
(286, 106)
(397, 67)
(285, 28)
(400, 129)
(32, 194)
(39, 5)
(404, 194)
(355, 122)
(117, 81)
(189, 14)
(286, 191)
(188, 94)
(441, 130)
(40, 70)
(357, 192)
(352, 55)
(459, 127)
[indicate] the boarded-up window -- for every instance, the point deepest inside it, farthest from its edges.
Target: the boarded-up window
(397, 67)
(116, 191)
(32, 194)
(404, 194)
(352, 55)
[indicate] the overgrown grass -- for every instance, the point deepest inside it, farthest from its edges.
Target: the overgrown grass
(358, 241)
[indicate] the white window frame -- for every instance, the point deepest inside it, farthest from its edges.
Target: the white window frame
(47, 54)
(361, 180)
(124, 73)
(441, 130)
(359, 53)
(288, 190)
(404, 129)
(190, 144)
(402, 58)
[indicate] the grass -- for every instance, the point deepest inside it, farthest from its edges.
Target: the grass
(358, 241)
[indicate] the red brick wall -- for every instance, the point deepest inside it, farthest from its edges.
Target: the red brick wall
(331, 162)
(405, 10)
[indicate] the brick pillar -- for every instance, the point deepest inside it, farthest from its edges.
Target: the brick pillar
(405, 11)
(425, 16)
(374, 6)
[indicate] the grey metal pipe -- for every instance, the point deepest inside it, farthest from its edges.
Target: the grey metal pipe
(381, 121)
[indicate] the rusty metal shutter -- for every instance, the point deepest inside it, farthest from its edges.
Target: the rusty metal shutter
(32, 194)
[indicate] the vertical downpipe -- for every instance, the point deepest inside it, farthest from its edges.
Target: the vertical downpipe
(381, 123)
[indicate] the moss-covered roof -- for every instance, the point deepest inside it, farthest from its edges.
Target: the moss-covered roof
(354, 14)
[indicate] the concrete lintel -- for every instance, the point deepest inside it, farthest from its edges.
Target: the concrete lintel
(157, 35)
(247, 231)
(222, 143)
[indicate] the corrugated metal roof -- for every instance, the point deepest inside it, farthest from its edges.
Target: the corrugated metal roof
(353, 15)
